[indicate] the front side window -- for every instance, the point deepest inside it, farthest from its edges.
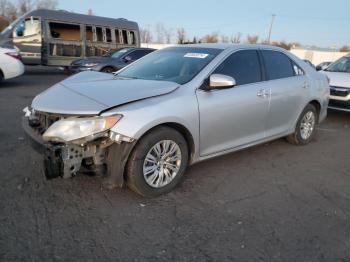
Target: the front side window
(176, 64)
(342, 65)
(28, 27)
(243, 66)
(277, 65)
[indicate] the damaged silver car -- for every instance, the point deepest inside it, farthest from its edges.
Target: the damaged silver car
(144, 125)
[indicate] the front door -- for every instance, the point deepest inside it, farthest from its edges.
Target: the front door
(236, 116)
(27, 37)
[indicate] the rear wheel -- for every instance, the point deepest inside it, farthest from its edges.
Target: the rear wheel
(157, 162)
(108, 69)
(306, 127)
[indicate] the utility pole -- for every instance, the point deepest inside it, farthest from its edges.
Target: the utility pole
(271, 25)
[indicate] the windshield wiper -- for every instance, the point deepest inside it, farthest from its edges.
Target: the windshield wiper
(124, 77)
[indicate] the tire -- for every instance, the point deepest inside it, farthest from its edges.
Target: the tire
(138, 165)
(299, 137)
(108, 69)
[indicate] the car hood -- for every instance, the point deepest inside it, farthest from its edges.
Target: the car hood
(338, 79)
(90, 93)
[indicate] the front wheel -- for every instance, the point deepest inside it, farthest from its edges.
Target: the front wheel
(157, 162)
(306, 127)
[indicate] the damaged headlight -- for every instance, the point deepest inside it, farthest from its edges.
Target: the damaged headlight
(70, 129)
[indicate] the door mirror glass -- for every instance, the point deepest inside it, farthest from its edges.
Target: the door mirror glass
(218, 81)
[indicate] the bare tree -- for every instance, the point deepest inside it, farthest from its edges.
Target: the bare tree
(146, 35)
(236, 38)
(3, 6)
(225, 39)
(252, 39)
(47, 4)
(8, 12)
(181, 35)
(3, 23)
(160, 31)
(168, 35)
(345, 48)
(211, 38)
(25, 6)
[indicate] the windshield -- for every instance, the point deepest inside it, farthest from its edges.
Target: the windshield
(342, 65)
(116, 53)
(176, 64)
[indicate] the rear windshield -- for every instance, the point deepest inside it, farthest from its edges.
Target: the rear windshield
(176, 64)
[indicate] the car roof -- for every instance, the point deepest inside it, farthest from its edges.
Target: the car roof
(233, 46)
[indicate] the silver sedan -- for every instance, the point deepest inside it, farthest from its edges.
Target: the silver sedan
(144, 125)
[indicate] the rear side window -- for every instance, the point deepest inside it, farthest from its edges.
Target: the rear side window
(137, 54)
(243, 66)
(277, 64)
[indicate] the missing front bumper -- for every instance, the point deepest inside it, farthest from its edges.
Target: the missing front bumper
(107, 156)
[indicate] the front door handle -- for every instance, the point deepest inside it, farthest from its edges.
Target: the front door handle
(263, 93)
(306, 85)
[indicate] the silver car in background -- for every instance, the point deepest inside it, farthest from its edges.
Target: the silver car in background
(143, 126)
(339, 76)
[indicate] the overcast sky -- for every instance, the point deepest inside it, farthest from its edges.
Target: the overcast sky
(310, 22)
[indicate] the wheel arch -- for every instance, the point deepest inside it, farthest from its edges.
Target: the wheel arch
(184, 131)
(316, 104)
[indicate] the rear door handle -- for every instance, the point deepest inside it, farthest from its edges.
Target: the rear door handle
(305, 85)
(263, 93)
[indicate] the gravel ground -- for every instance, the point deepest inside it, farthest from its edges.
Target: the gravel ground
(274, 202)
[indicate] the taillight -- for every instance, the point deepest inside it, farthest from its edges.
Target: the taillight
(15, 55)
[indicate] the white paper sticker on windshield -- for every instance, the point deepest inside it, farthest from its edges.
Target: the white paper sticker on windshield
(196, 55)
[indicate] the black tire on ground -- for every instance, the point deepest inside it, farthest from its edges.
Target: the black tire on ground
(108, 69)
(134, 169)
(296, 138)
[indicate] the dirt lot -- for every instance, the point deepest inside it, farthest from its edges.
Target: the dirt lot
(274, 202)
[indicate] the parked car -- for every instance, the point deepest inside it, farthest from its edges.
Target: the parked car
(322, 66)
(339, 77)
(10, 63)
(309, 62)
(175, 107)
(111, 62)
(58, 37)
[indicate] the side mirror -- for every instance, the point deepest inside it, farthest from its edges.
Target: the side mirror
(218, 81)
(319, 68)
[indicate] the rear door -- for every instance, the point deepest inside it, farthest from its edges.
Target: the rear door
(235, 116)
(289, 91)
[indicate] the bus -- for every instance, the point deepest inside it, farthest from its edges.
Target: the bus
(56, 38)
